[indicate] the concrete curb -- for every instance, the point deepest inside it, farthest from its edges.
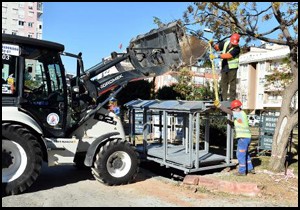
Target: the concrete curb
(243, 188)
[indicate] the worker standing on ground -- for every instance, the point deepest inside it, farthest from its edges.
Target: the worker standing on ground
(230, 62)
(242, 134)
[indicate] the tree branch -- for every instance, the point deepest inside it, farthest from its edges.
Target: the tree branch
(292, 21)
(285, 31)
(271, 31)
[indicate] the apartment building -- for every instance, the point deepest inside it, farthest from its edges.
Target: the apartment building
(200, 77)
(255, 94)
(22, 18)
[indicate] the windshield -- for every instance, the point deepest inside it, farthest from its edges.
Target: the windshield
(42, 70)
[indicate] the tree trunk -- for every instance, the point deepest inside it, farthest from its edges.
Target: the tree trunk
(280, 142)
(287, 120)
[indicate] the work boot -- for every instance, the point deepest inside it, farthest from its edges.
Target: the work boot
(252, 171)
(240, 174)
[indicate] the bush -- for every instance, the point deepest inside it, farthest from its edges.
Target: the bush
(218, 131)
(168, 93)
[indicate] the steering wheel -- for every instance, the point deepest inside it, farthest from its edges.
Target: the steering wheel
(39, 89)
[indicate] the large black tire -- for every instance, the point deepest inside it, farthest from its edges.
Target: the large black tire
(116, 163)
(21, 159)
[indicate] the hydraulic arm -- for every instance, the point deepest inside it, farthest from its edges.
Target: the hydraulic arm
(167, 48)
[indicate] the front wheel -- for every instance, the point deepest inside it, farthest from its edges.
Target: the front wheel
(116, 163)
(21, 159)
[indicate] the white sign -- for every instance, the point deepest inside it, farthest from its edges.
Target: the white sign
(10, 49)
(6, 88)
(52, 119)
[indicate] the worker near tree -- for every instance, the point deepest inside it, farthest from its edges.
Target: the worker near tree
(242, 134)
(230, 62)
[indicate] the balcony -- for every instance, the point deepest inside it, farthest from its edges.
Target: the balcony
(271, 104)
(40, 7)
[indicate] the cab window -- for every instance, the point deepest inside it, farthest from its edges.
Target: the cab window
(42, 76)
(8, 83)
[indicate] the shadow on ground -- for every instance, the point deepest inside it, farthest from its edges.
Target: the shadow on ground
(173, 173)
(58, 176)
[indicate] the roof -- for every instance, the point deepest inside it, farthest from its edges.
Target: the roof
(264, 55)
(172, 105)
(15, 39)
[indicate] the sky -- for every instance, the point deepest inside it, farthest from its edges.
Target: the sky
(98, 28)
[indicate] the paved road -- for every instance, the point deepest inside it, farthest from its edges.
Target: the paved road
(68, 186)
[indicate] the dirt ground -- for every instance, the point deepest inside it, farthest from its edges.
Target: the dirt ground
(67, 187)
(277, 189)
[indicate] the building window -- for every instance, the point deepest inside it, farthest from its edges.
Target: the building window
(40, 6)
(261, 81)
(40, 26)
(244, 99)
(30, 35)
(21, 14)
(4, 10)
(30, 14)
(15, 11)
(21, 23)
(30, 5)
(30, 24)
(15, 22)
(14, 33)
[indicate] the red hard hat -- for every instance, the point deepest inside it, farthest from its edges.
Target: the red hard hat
(235, 104)
(234, 39)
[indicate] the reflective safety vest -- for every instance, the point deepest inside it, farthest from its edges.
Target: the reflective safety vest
(233, 63)
(241, 125)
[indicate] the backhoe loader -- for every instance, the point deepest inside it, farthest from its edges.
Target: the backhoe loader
(46, 119)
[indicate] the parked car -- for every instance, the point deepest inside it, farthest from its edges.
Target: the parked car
(254, 120)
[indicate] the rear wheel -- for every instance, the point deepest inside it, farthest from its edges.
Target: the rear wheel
(21, 159)
(116, 163)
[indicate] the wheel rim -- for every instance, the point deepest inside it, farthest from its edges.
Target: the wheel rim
(17, 163)
(118, 164)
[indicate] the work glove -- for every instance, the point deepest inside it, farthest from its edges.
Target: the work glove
(216, 47)
(211, 56)
(217, 103)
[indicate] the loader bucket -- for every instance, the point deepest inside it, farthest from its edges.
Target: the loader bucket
(165, 49)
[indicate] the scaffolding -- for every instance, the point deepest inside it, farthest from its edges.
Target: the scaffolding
(172, 136)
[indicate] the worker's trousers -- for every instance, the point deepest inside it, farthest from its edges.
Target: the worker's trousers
(243, 156)
(228, 80)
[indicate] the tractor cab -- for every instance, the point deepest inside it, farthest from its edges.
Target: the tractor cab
(33, 79)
